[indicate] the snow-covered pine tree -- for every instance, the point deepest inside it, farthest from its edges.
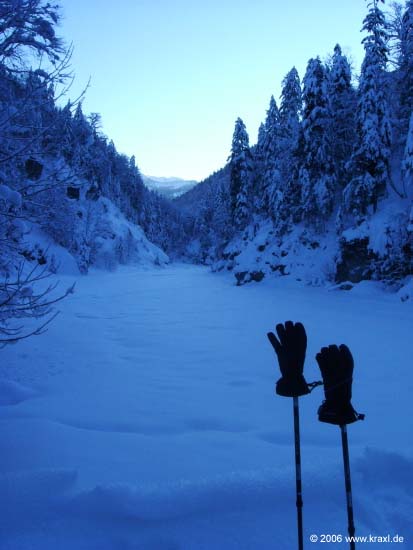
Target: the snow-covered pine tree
(271, 178)
(61, 141)
(258, 170)
(370, 160)
(316, 174)
(258, 156)
(240, 164)
(405, 81)
(343, 102)
(407, 164)
(290, 109)
(82, 139)
(261, 137)
(221, 215)
(289, 153)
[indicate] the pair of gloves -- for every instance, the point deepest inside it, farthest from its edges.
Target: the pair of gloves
(336, 365)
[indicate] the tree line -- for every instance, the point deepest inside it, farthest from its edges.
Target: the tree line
(329, 157)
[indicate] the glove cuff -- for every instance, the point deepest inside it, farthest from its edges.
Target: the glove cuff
(292, 386)
(338, 413)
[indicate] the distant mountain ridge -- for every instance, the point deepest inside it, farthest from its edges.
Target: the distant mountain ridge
(168, 187)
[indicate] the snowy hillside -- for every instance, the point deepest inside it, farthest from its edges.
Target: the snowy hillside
(116, 240)
(168, 187)
(112, 241)
(145, 418)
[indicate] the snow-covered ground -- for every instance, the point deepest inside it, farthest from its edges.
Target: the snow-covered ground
(145, 418)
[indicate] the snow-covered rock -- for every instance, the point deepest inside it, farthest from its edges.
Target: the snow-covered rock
(378, 247)
(41, 248)
(259, 253)
(406, 291)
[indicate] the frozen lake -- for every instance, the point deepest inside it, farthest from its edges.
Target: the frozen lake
(145, 418)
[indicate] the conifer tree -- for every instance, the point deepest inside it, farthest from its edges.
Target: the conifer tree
(342, 104)
(370, 159)
(221, 214)
(405, 81)
(290, 109)
(270, 151)
(261, 137)
(240, 164)
(316, 173)
(258, 150)
(407, 164)
(258, 170)
(290, 150)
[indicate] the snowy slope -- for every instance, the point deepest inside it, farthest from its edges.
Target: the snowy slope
(145, 418)
(119, 241)
(110, 240)
(168, 187)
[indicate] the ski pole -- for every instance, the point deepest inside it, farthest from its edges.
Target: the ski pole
(347, 477)
(337, 364)
(290, 345)
(298, 486)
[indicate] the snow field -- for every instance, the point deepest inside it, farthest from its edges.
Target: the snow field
(145, 418)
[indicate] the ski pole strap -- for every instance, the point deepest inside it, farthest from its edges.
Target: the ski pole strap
(340, 384)
(313, 385)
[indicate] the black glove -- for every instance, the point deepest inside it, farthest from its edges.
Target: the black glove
(290, 347)
(336, 365)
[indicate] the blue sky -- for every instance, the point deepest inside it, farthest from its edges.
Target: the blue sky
(170, 77)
